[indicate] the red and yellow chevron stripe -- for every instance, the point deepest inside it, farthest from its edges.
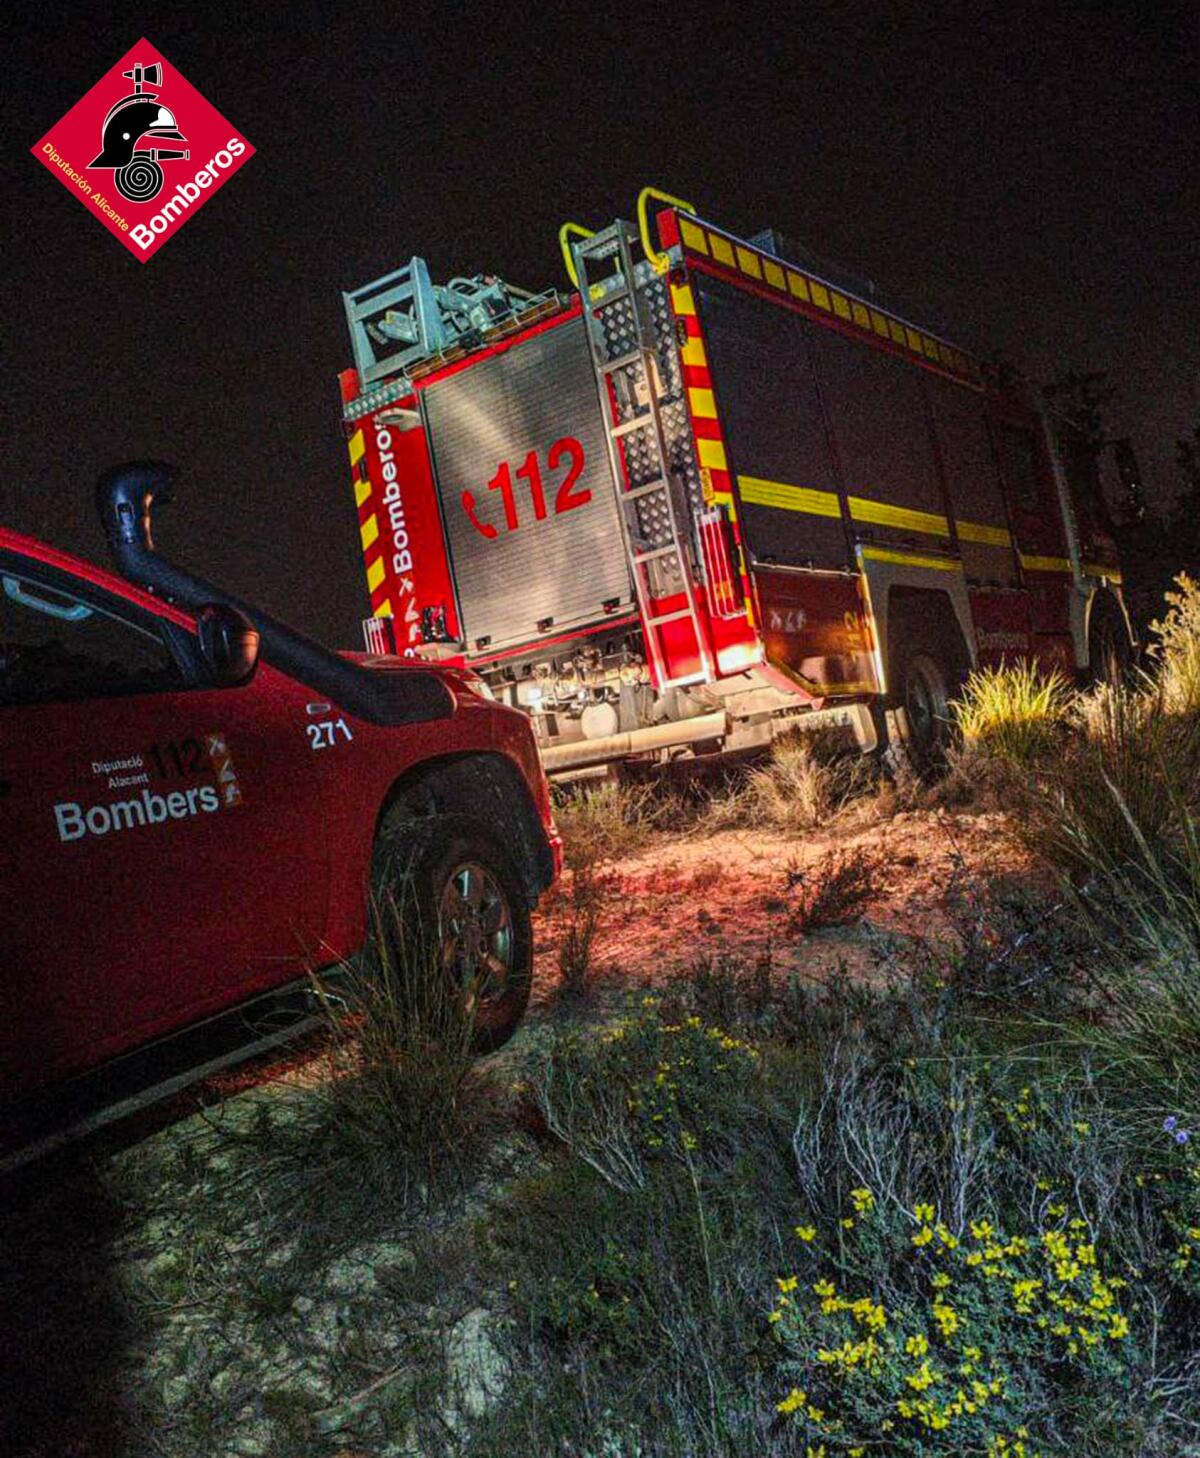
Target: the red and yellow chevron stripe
(368, 526)
(715, 476)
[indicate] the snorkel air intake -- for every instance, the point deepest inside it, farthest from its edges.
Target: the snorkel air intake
(125, 498)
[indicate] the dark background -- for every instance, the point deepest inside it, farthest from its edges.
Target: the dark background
(1027, 181)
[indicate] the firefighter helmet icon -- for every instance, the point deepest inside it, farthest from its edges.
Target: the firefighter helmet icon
(138, 175)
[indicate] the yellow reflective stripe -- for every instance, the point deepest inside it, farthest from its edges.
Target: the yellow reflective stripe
(748, 262)
(681, 298)
(881, 514)
(721, 250)
(990, 536)
(712, 454)
(704, 406)
(1045, 564)
(362, 489)
(773, 274)
(375, 574)
(384, 610)
(908, 559)
(693, 353)
(820, 294)
(798, 285)
(786, 497)
(841, 306)
(369, 531)
(1093, 569)
(357, 446)
(692, 236)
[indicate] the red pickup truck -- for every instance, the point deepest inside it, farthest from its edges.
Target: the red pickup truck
(193, 797)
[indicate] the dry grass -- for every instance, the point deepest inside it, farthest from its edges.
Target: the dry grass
(807, 781)
(604, 820)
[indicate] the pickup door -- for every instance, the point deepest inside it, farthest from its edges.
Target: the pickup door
(162, 844)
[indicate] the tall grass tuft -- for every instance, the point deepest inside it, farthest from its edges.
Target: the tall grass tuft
(401, 1046)
(1016, 711)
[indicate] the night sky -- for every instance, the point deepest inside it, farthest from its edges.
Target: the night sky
(1027, 182)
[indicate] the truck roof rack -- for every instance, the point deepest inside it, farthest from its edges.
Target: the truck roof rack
(403, 320)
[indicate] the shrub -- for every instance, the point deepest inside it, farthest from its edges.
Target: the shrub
(401, 1047)
(833, 892)
(937, 1343)
(585, 900)
(647, 1088)
(1177, 652)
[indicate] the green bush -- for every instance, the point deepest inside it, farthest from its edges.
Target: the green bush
(936, 1343)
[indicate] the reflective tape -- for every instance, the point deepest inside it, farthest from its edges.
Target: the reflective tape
(880, 513)
(712, 454)
(988, 536)
(1045, 564)
(786, 497)
(908, 559)
(369, 531)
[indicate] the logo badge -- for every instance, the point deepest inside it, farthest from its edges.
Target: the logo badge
(143, 150)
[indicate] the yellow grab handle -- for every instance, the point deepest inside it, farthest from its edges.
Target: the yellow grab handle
(658, 260)
(565, 234)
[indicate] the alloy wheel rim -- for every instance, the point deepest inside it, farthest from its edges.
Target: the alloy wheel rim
(476, 933)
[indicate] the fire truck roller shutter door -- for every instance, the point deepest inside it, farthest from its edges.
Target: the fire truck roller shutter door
(527, 553)
(771, 418)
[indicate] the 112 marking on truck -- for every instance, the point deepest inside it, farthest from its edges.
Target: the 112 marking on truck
(708, 496)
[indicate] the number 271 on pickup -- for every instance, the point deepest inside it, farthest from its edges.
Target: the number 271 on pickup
(326, 734)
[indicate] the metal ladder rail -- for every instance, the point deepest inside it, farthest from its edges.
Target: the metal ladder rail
(638, 359)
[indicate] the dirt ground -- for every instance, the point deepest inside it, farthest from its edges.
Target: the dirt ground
(733, 894)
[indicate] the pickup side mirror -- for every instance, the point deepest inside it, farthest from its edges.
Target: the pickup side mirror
(228, 644)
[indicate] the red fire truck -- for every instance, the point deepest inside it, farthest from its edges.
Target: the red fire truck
(709, 495)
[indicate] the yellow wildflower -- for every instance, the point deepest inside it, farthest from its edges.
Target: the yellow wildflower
(795, 1400)
(806, 1232)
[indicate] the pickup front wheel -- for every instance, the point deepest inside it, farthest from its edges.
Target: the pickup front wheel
(449, 903)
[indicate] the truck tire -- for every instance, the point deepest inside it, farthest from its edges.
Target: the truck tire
(924, 678)
(464, 914)
(1110, 653)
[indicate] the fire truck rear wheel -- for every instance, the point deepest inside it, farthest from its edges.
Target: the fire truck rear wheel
(1110, 653)
(924, 681)
(449, 900)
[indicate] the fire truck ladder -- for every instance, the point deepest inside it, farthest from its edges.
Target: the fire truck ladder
(622, 342)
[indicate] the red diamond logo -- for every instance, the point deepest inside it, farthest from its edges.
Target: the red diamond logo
(143, 150)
